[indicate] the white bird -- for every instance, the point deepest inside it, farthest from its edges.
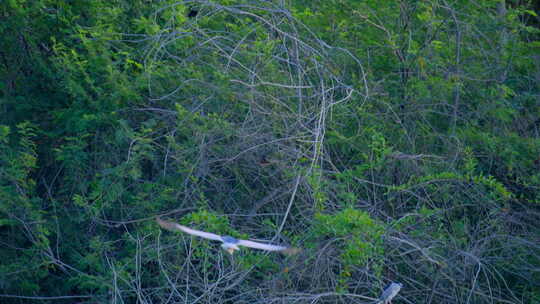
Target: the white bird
(390, 292)
(230, 244)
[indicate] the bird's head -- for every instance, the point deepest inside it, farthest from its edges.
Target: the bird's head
(230, 248)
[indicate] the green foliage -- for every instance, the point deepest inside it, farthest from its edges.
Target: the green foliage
(209, 221)
(359, 238)
(21, 217)
(392, 140)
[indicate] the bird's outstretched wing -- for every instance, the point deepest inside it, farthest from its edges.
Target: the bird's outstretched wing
(176, 227)
(262, 246)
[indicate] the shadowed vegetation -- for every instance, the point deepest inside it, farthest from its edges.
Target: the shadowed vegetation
(393, 141)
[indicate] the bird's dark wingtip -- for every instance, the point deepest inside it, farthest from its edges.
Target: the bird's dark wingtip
(164, 224)
(291, 250)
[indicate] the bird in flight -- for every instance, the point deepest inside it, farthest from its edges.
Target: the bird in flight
(390, 292)
(229, 243)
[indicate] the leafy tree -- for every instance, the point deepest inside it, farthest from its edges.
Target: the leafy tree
(390, 140)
